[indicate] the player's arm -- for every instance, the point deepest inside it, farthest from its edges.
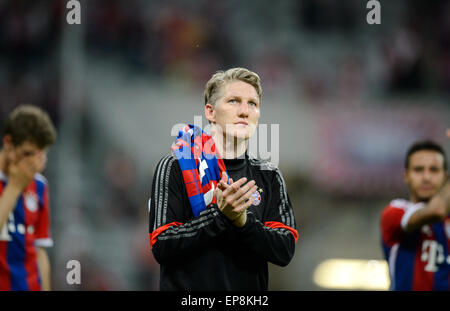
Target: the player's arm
(173, 234)
(436, 210)
(273, 239)
(19, 176)
(8, 200)
(44, 268)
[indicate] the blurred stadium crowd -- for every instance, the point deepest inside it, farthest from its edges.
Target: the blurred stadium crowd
(322, 51)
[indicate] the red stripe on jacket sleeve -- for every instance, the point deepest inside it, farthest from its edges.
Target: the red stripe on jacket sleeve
(277, 224)
(153, 236)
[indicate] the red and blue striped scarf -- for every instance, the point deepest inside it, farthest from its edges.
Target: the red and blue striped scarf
(200, 165)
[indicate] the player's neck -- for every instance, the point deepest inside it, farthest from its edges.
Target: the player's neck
(415, 199)
(229, 147)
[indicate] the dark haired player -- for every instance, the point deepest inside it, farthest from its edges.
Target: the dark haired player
(416, 232)
(24, 201)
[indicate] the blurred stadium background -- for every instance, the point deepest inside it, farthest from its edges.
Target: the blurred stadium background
(349, 99)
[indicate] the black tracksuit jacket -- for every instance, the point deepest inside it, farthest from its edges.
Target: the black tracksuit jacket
(208, 252)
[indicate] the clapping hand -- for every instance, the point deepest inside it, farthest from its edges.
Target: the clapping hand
(233, 198)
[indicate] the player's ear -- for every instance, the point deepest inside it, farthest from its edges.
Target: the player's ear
(7, 142)
(210, 113)
(405, 177)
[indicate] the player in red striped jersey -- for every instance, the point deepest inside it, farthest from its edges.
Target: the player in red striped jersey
(24, 201)
(416, 232)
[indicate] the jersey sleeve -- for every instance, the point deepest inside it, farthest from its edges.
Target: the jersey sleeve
(42, 232)
(391, 229)
(274, 237)
(395, 218)
(173, 230)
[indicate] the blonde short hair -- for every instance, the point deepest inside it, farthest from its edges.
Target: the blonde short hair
(220, 78)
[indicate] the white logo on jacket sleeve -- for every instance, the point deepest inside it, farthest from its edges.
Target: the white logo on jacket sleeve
(31, 202)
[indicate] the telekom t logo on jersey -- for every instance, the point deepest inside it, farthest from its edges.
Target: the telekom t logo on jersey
(433, 255)
(11, 227)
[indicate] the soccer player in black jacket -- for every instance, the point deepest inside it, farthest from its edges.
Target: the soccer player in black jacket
(228, 246)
